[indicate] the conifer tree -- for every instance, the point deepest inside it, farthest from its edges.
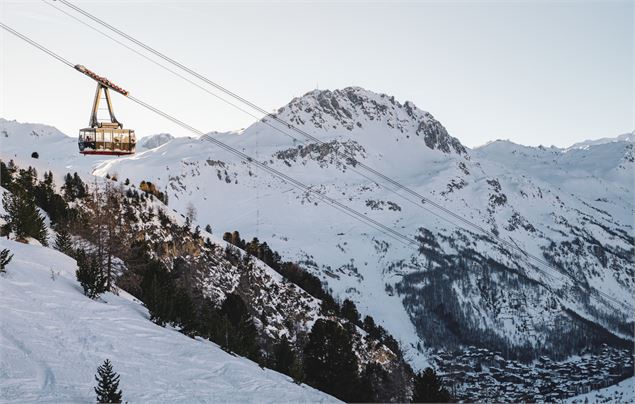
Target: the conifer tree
(158, 293)
(63, 241)
(183, 310)
(89, 274)
(80, 187)
(371, 328)
(428, 388)
(26, 180)
(297, 370)
(373, 377)
(349, 311)
(22, 217)
(68, 188)
(330, 364)
(107, 389)
(73, 187)
(51, 202)
(283, 356)
(6, 176)
(240, 330)
(5, 258)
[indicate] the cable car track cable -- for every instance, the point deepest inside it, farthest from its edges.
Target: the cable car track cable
(404, 239)
(260, 119)
(340, 206)
(356, 162)
(399, 186)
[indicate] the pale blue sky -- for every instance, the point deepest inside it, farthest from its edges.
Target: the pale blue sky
(535, 72)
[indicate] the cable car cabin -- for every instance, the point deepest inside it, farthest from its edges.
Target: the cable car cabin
(105, 138)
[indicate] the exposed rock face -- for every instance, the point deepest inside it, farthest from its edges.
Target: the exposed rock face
(356, 109)
(151, 142)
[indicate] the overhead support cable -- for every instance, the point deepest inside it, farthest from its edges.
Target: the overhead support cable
(394, 234)
(349, 158)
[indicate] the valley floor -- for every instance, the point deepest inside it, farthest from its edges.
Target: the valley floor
(52, 338)
(477, 374)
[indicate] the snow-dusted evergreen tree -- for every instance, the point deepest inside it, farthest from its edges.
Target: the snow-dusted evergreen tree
(22, 217)
(89, 274)
(5, 258)
(107, 384)
(73, 187)
(283, 356)
(428, 388)
(63, 240)
(330, 363)
(349, 311)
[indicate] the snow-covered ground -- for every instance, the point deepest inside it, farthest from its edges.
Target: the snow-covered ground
(623, 392)
(52, 338)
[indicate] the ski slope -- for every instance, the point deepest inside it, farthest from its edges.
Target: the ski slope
(52, 338)
(623, 392)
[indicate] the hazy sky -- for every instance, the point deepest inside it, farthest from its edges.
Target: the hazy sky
(534, 72)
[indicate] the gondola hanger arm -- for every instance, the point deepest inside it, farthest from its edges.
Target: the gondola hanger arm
(101, 80)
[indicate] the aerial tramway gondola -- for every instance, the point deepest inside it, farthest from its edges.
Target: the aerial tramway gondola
(105, 138)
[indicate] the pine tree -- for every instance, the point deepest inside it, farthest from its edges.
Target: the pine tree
(89, 274)
(371, 328)
(283, 356)
(26, 180)
(80, 187)
(297, 370)
(157, 288)
(107, 389)
(5, 258)
(349, 311)
(240, 330)
(73, 187)
(6, 176)
(373, 377)
(183, 310)
(227, 236)
(22, 217)
(330, 364)
(68, 188)
(51, 202)
(63, 241)
(428, 388)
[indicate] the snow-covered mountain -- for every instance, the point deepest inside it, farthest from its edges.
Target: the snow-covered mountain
(572, 208)
(626, 137)
(152, 141)
(53, 338)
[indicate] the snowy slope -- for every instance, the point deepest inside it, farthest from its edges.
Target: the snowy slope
(572, 207)
(623, 392)
(53, 338)
(626, 137)
(600, 174)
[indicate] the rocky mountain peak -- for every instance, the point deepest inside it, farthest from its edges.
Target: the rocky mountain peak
(354, 109)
